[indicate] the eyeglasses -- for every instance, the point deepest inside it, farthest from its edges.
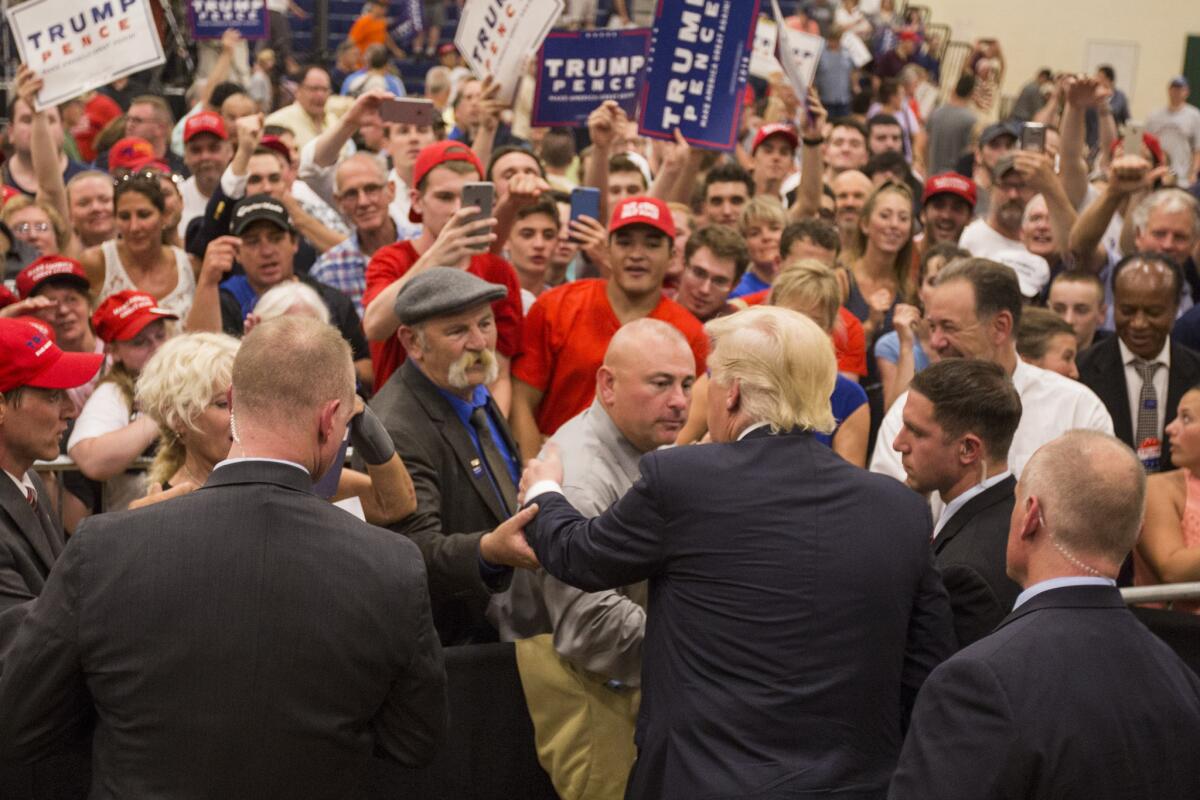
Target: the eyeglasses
(318, 89)
(368, 192)
(702, 275)
(28, 227)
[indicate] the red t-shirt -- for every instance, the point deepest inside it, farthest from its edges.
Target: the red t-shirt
(849, 340)
(392, 261)
(566, 335)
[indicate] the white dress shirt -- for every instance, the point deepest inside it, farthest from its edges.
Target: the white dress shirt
(1058, 583)
(1051, 405)
(954, 505)
(239, 460)
(1133, 385)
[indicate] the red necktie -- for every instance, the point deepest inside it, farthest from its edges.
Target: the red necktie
(31, 496)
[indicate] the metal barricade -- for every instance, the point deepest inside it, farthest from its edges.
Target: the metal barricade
(1161, 593)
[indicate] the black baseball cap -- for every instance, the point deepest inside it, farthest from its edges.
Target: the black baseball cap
(258, 208)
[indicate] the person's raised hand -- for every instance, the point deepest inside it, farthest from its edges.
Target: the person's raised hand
(546, 467)
(506, 545)
(905, 318)
(230, 39)
(1037, 167)
(592, 238)
(1132, 173)
(1084, 91)
(366, 107)
(249, 131)
(30, 305)
(525, 189)
(29, 84)
(602, 124)
(813, 126)
(218, 259)
(461, 238)
(675, 153)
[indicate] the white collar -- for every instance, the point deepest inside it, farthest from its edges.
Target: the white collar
(957, 503)
(24, 483)
(1058, 583)
(751, 429)
(229, 461)
(1163, 357)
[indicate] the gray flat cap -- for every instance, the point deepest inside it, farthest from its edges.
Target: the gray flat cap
(440, 291)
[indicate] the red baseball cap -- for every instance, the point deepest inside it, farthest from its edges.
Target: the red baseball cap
(775, 129)
(950, 183)
(51, 266)
(642, 211)
(130, 153)
(1151, 143)
(7, 298)
(204, 122)
(30, 358)
(435, 155)
(123, 315)
(278, 145)
(7, 193)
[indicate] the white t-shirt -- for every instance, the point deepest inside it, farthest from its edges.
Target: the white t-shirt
(194, 204)
(983, 241)
(104, 412)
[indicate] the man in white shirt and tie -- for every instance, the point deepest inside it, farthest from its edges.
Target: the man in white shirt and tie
(1141, 374)
(959, 420)
(973, 312)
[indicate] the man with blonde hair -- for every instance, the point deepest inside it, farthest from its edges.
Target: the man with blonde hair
(771, 563)
(1002, 718)
(248, 606)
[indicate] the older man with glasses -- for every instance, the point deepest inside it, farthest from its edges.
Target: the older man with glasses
(307, 117)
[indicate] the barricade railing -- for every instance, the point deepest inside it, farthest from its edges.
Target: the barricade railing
(1161, 593)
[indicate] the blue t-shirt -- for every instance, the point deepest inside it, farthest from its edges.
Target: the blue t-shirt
(847, 397)
(888, 347)
(749, 284)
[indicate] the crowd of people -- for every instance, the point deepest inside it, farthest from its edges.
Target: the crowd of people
(822, 458)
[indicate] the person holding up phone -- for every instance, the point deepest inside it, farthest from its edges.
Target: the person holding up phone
(452, 236)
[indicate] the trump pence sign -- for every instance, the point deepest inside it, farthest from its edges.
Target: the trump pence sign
(77, 45)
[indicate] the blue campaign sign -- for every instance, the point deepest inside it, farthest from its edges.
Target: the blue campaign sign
(578, 71)
(696, 78)
(211, 18)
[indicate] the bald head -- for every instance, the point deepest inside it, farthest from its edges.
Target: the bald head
(850, 192)
(645, 382)
(1092, 492)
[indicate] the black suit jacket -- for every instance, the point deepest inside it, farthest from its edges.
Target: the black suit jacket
(1071, 697)
(247, 640)
(456, 503)
(1100, 368)
(794, 611)
(970, 553)
(30, 543)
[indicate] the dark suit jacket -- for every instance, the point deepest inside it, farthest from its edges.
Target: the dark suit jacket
(970, 553)
(247, 640)
(30, 542)
(456, 503)
(794, 612)
(1100, 368)
(1071, 697)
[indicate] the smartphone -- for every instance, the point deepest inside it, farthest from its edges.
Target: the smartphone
(1132, 143)
(585, 202)
(483, 195)
(406, 110)
(1033, 136)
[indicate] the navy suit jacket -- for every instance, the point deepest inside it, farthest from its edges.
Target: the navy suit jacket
(1071, 697)
(247, 640)
(970, 553)
(794, 609)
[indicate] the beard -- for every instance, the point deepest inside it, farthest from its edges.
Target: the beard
(457, 376)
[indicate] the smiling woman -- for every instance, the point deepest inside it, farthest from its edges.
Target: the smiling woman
(138, 259)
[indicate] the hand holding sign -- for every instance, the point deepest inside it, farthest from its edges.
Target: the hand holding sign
(603, 124)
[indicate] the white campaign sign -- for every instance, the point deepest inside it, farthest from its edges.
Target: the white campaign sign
(860, 54)
(77, 45)
(763, 63)
(799, 54)
(497, 37)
